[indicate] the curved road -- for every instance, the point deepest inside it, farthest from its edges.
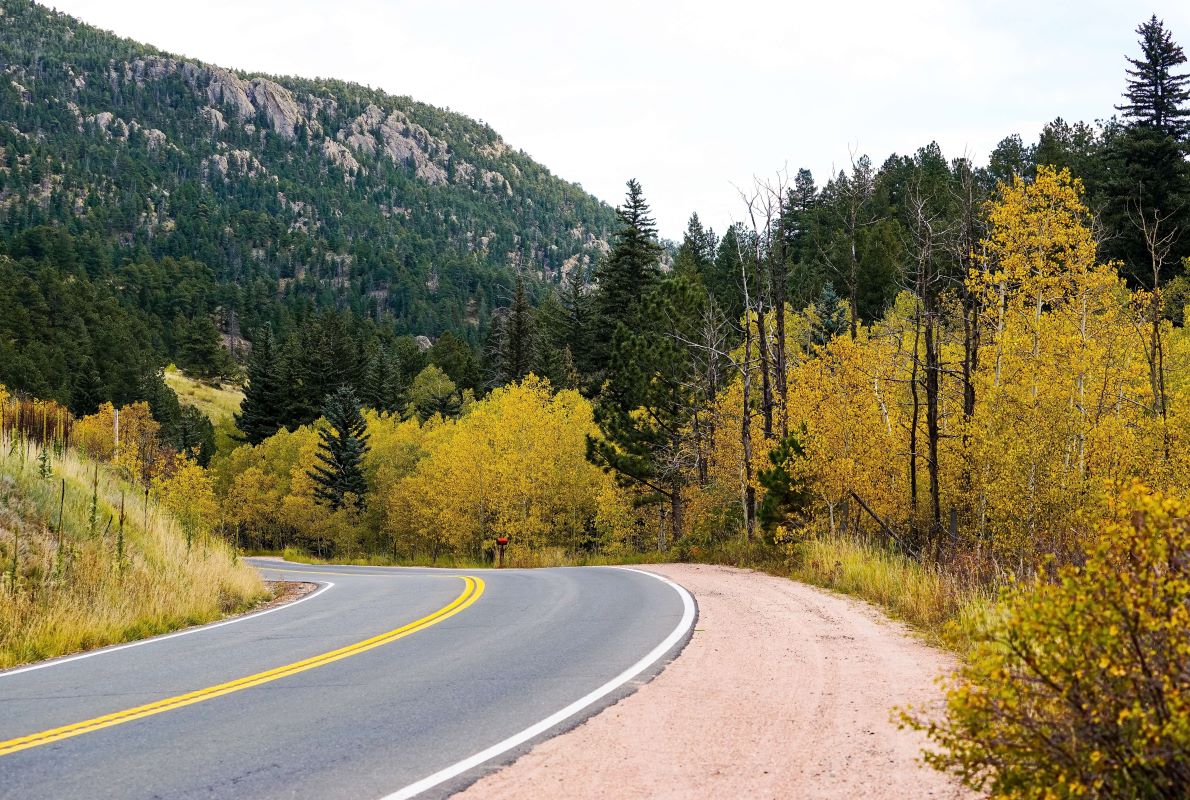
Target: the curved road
(384, 683)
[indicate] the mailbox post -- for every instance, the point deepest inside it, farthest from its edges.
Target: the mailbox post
(501, 543)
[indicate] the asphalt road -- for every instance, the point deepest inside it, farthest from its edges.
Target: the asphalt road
(385, 683)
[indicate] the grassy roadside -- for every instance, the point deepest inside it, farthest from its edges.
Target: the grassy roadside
(934, 602)
(219, 403)
(81, 583)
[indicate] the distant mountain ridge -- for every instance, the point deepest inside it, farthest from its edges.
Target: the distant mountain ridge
(322, 191)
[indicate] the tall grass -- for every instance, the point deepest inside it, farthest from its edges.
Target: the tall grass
(86, 580)
(219, 403)
(935, 599)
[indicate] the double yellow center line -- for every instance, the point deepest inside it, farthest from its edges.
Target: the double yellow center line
(471, 592)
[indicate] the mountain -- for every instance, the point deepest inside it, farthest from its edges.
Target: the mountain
(289, 193)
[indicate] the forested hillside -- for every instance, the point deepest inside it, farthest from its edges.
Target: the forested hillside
(184, 196)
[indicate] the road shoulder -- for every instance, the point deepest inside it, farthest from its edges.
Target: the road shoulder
(783, 691)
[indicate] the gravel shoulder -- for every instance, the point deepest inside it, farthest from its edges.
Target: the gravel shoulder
(785, 691)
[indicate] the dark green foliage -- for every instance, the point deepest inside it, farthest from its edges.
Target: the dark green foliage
(832, 315)
(517, 339)
(552, 357)
(384, 387)
(265, 408)
(457, 360)
(650, 396)
(183, 427)
(1157, 93)
(628, 273)
(1146, 181)
(696, 253)
(199, 348)
(787, 492)
(343, 442)
(1012, 157)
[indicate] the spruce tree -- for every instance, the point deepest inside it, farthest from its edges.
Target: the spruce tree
(1157, 92)
(629, 272)
(343, 443)
(696, 253)
(1147, 176)
(786, 492)
(264, 410)
(516, 344)
(647, 403)
(382, 385)
(577, 327)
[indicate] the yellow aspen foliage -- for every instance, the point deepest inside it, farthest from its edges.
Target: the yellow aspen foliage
(184, 489)
(1078, 688)
(129, 442)
(515, 465)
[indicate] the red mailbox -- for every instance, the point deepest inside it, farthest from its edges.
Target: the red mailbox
(501, 542)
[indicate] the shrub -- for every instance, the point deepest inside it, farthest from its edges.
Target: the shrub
(1081, 688)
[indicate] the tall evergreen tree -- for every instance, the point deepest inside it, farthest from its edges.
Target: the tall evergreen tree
(578, 328)
(383, 387)
(649, 399)
(1157, 93)
(628, 273)
(516, 343)
(696, 253)
(343, 443)
(1147, 179)
(266, 404)
(199, 347)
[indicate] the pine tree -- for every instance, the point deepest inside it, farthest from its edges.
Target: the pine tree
(382, 386)
(264, 410)
(1147, 180)
(200, 349)
(645, 410)
(696, 253)
(786, 492)
(629, 272)
(343, 443)
(577, 334)
(516, 344)
(1156, 93)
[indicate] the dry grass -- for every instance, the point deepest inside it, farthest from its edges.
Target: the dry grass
(932, 599)
(91, 587)
(219, 403)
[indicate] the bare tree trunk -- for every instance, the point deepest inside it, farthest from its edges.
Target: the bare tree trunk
(915, 416)
(933, 369)
(766, 388)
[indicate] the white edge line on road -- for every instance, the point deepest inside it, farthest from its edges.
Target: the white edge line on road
(152, 640)
(456, 769)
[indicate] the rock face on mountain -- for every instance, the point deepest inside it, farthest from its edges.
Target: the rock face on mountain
(96, 130)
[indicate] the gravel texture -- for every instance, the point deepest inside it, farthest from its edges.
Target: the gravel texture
(785, 691)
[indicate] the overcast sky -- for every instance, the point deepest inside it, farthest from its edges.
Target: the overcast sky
(691, 98)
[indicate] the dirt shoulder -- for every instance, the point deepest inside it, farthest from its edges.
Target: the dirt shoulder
(785, 691)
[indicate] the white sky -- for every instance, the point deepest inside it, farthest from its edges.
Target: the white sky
(691, 98)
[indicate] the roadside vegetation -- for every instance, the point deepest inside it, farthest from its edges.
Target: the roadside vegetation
(85, 563)
(958, 391)
(217, 400)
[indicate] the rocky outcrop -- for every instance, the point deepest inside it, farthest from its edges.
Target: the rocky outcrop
(108, 124)
(339, 155)
(241, 161)
(278, 106)
(372, 133)
(226, 89)
(215, 118)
